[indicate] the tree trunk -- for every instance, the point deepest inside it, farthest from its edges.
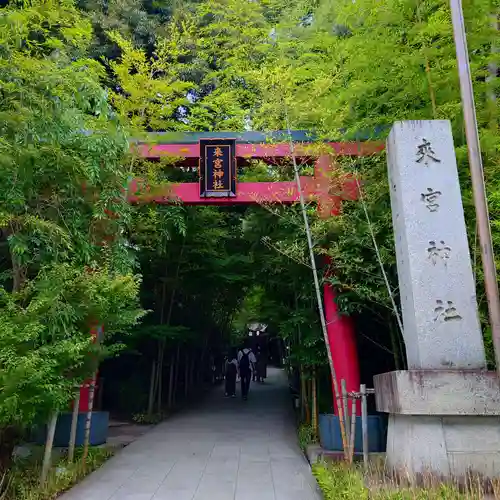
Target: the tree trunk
(303, 393)
(314, 398)
(186, 376)
(88, 420)
(159, 373)
(201, 366)
(167, 322)
(47, 457)
(176, 374)
(18, 271)
(161, 345)
(171, 381)
(192, 375)
(74, 425)
(18, 276)
(152, 387)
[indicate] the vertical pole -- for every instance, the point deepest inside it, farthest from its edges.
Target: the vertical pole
(477, 176)
(353, 430)
(88, 420)
(176, 374)
(74, 426)
(317, 287)
(315, 405)
(186, 375)
(49, 443)
(305, 413)
(345, 404)
(170, 397)
(152, 384)
(192, 370)
(341, 339)
(364, 424)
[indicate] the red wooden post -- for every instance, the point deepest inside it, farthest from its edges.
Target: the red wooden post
(340, 327)
(95, 331)
(342, 340)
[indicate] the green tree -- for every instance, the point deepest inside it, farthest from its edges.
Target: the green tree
(348, 71)
(62, 161)
(45, 341)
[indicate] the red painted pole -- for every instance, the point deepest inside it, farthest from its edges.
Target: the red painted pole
(340, 327)
(85, 387)
(342, 342)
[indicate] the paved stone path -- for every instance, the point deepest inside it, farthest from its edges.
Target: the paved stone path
(226, 449)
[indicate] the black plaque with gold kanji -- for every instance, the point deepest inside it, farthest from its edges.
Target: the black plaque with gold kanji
(217, 168)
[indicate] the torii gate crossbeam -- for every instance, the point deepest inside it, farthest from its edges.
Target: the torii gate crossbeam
(254, 146)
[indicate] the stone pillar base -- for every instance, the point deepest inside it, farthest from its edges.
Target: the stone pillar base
(444, 446)
(441, 422)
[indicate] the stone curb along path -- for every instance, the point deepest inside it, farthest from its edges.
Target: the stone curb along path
(226, 449)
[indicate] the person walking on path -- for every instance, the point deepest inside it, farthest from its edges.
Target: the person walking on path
(246, 364)
(231, 371)
(261, 366)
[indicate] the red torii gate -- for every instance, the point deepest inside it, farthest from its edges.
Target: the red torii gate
(253, 146)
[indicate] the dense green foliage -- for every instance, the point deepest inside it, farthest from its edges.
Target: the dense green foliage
(64, 260)
(25, 475)
(343, 70)
(358, 67)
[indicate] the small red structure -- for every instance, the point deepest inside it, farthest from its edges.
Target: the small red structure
(217, 157)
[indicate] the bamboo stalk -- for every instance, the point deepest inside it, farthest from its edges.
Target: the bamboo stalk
(353, 430)
(152, 384)
(305, 403)
(192, 370)
(319, 298)
(88, 420)
(169, 317)
(176, 374)
(170, 382)
(345, 404)
(186, 375)
(74, 426)
(314, 404)
(159, 374)
(364, 424)
(49, 443)
(161, 343)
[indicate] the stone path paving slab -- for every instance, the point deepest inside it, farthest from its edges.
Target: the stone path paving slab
(226, 449)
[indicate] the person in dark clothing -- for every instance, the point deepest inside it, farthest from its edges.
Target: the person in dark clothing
(260, 368)
(246, 366)
(255, 375)
(231, 372)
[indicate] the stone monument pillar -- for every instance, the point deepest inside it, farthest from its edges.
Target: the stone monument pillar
(443, 411)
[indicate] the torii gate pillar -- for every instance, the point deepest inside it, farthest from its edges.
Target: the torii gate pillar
(340, 327)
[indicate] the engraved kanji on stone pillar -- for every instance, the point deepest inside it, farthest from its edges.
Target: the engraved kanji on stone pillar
(438, 299)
